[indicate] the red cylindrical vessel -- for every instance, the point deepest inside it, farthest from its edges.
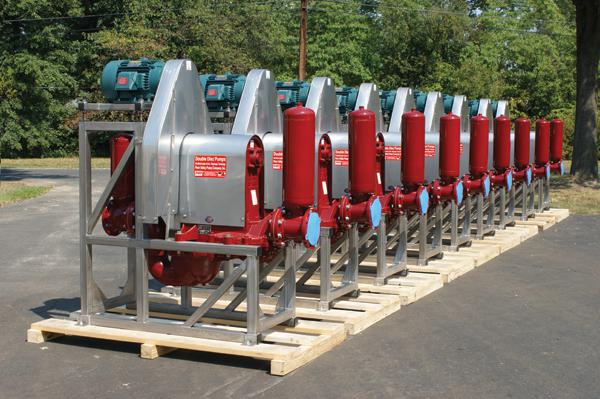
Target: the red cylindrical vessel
(557, 127)
(298, 158)
(542, 142)
(522, 128)
(501, 143)
(413, 149)
(362, 152)
(449, 147)
(125, 186)
(478, 147)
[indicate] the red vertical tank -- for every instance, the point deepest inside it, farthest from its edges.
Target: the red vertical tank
(449, 147)
(522, 128)
(298, 158)
(501, 143)
(542, 142)
(362, 152)
(125, 186)
(557, 127)
(478, 147)
(413, 149)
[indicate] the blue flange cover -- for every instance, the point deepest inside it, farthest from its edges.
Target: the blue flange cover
(424, 201)
(528, 175)
(486, 186)
(459, 193)
(313, 229)
(375, 213)
(509, 178)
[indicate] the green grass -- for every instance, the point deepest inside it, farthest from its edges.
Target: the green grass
(52, 163)
(11, 192)
(581, 198)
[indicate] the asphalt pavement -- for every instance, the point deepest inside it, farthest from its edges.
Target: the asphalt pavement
(525, 325)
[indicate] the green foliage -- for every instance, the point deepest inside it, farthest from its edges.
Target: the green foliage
(521, 50)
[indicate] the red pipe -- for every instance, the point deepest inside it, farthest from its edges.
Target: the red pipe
(118, 215)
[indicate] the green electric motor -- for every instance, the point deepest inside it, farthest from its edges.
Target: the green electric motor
(126, 81)
(222, 92)
(420, 100)
(473, 107)
(448, 102)
(387, 97)
(346, 98)
(292, 93)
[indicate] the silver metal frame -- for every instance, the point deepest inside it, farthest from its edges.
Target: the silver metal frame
(525, 199)
(94, 303)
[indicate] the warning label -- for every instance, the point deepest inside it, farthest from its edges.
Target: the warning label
(340, 157)
(277, 160)
(210, 166)
(393, 152)
(461, 148)
(429, 150)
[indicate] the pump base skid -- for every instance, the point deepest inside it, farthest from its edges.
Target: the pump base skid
(286, 348)
(356, 314)
(316, 332)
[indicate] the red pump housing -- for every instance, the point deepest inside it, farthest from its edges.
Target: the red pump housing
(298, 154)
(413, 149)
(362, 151)
(501, 143)
(523, 168)
(478, 147)
(362, 146)
(557, 127)
(522, 129)
(296, 222)
(542, 142)
(449, 147)
(479, 180)
(542, 148)
(448, 188)
(118, 215)
(502, 175)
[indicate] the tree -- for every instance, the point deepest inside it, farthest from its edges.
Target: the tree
(585, 155)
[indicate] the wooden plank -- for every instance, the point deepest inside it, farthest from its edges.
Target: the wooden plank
(560, 213)
(292, 351)
(541, 223)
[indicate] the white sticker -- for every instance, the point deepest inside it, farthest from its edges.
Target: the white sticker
(268, 74)
(378, 178)
(324, 185)
(254, 198)
(188, 65)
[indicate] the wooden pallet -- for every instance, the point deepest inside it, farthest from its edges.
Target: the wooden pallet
(355, 314)
(287, 348)
(546, 219)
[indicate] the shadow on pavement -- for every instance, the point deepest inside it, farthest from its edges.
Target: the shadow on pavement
(13, 174)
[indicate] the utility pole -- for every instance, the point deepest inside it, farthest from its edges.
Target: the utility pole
(302, 50)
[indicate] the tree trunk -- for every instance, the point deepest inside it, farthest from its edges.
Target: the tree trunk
(585, 156)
